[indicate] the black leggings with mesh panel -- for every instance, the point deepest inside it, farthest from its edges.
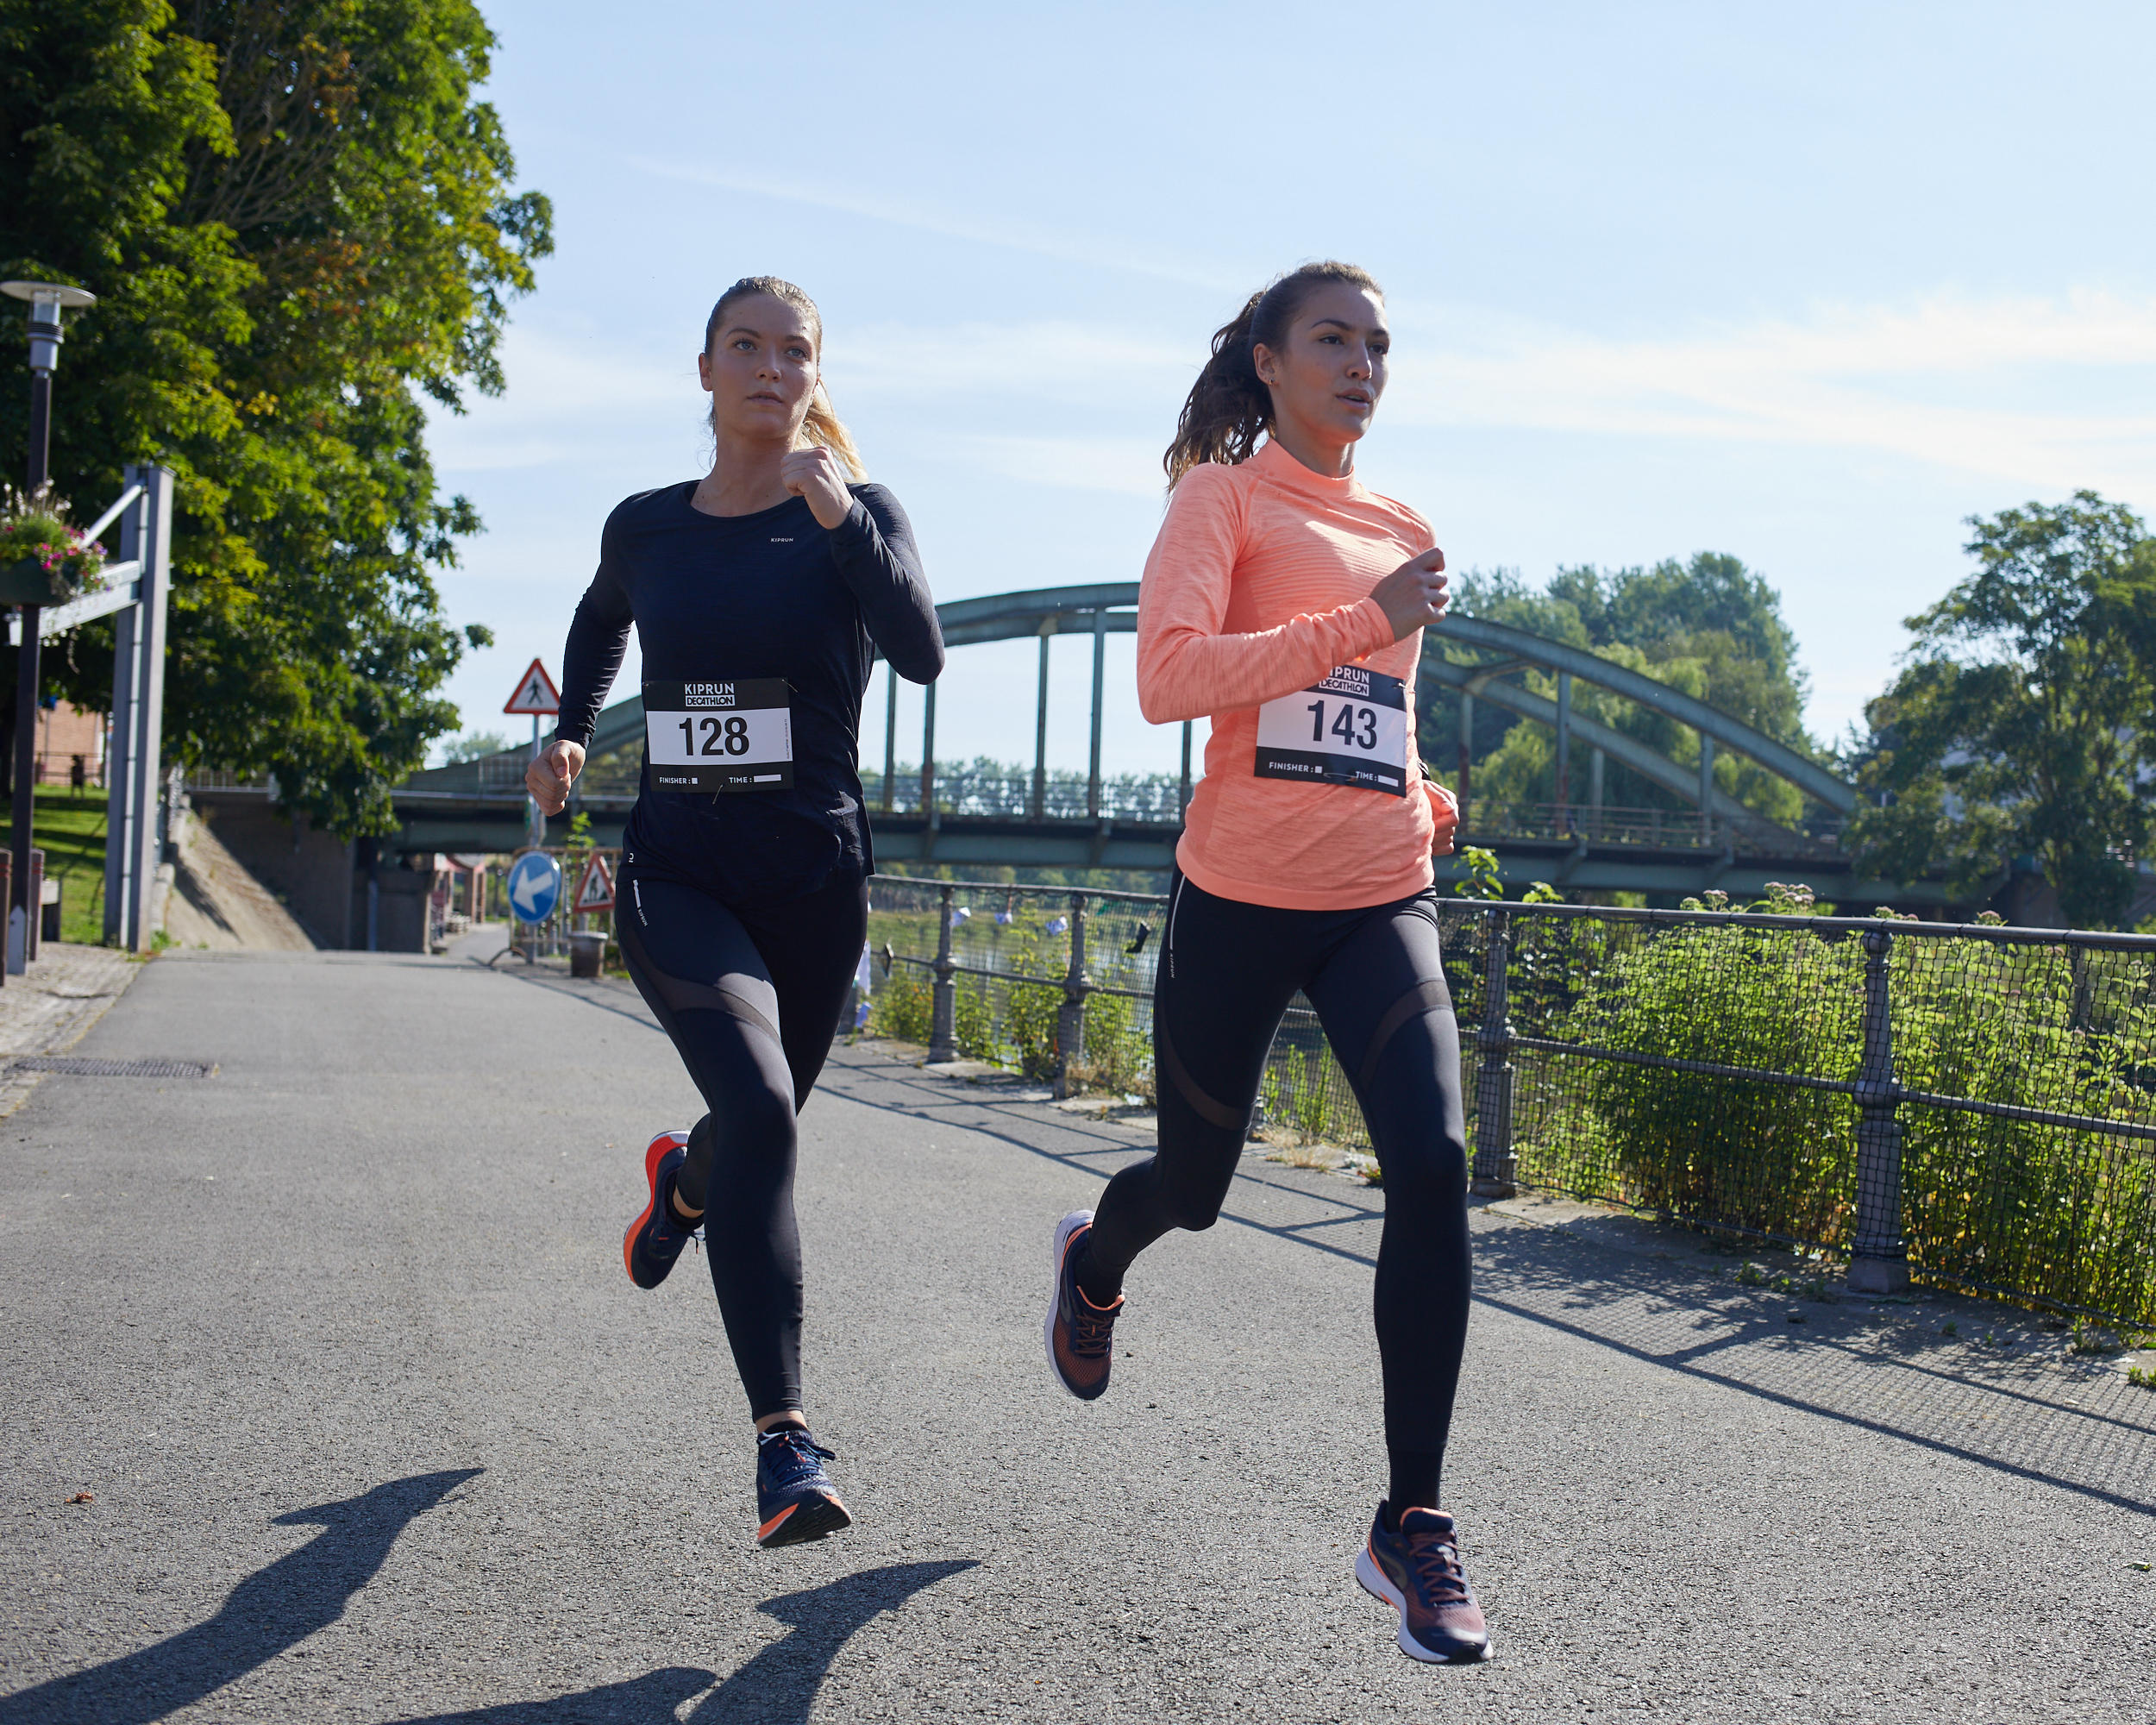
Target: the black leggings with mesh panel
(751, 999)
(1227, 973)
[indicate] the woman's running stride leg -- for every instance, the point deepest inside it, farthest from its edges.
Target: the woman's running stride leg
(1225, 976)
(1381, 997)
(752, 1013)
(1227, 971)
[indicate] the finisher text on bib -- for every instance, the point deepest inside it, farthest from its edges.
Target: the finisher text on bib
(1349, 729)
(736, 736)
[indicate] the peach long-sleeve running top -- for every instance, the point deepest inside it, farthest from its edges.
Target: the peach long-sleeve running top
(1257, 587)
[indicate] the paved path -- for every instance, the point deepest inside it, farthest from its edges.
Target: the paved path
(339, 1342)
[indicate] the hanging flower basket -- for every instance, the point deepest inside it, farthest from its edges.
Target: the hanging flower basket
(43, 559)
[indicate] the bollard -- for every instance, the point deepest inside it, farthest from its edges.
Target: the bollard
(943, 1035)
(1070, 1019)
(1496, 1170)
(1879, 1255)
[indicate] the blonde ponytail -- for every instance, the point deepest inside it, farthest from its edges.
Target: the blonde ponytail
(824, 429)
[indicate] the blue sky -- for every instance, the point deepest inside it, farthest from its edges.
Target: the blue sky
(1806, 286)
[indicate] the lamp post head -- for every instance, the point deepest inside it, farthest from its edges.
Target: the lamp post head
(47, 299)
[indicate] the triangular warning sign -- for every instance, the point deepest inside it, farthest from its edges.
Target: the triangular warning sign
(595, 892)
(535, 693)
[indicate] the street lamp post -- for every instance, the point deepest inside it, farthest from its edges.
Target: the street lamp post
(47, 299)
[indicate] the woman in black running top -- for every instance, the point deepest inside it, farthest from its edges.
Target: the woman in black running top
(1286, 602)
(758, 594)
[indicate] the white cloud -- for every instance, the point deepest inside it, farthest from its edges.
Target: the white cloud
(1060, 360)
(1060, 243)
(1871, 378)
(2015, 389)
(1128, 466)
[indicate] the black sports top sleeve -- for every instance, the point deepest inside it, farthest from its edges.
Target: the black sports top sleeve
(877, 558)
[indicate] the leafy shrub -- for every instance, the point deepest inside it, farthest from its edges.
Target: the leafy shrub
(904, 1006)
(1771, 1159)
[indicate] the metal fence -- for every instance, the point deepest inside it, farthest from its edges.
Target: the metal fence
(1974, 1103)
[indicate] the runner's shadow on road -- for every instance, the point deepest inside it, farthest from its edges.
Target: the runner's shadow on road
(777, 1686)
(272, 1610)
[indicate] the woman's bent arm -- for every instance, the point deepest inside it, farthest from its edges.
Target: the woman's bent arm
(878, 560)
(1187, 668)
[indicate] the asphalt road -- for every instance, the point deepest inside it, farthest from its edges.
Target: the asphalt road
(376, 1429)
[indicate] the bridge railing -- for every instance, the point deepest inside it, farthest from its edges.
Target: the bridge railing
(1975, 1104)
(1658, 828)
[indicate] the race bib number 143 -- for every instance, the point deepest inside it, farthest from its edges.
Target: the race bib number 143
(1349, 729)
(724, 735)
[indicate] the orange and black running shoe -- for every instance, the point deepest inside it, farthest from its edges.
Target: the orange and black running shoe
(655, 1239)
(1414, 1566)
(1080, 1335)
(795, 1498)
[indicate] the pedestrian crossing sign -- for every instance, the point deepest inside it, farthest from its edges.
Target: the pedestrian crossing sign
(535, 693)
(595, 892)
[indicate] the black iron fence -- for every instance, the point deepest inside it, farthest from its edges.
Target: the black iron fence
(1974, 1103)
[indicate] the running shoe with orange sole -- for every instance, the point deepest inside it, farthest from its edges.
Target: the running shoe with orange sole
(1414, 1567)
(796, 1500)
(655, 1238)
(1080, 1335)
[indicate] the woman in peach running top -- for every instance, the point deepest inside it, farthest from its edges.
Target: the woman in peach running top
(1286, 602)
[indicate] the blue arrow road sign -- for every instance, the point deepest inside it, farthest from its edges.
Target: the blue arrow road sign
(535, 884)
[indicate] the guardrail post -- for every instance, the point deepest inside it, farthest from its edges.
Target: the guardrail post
(1070, 1019)
(1496, 1170)
(1879, 1255)
(943, 1035)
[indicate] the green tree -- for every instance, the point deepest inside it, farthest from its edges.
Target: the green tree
(300, 223)
(2024, 720)
(1709, 628)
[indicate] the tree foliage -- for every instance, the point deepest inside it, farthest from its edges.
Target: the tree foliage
(300, 223)
(1709, 628)
(2024, 720)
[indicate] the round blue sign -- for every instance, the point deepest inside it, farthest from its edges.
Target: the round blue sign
(535, 886)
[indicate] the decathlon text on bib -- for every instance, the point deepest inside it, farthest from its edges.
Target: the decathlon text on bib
(720, 735)
(1350, 728)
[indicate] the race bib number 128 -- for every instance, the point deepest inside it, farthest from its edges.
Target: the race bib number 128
(1349, 729)
(721, 736)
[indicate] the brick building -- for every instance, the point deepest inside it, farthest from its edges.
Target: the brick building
(71, 746)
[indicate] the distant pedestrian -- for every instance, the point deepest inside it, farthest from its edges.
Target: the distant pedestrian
(1286, 602)
(757, 594)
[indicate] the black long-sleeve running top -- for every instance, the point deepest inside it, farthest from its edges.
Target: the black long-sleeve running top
(720, 597)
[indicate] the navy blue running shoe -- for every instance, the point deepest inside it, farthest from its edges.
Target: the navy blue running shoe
(795, 1498)
(1414, 1567)
(655, 1239)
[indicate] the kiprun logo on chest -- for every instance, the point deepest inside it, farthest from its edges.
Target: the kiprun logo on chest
(1346, 680)
(707, 694)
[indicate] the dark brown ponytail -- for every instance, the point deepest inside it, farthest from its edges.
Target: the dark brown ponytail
(1229, 407)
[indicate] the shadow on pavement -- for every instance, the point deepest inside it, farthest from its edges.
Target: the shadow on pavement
(273, 1609)
(651, 1699)
(777, 1686)
(2082, 1430)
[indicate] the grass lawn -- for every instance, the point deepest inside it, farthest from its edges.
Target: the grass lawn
(70, 830)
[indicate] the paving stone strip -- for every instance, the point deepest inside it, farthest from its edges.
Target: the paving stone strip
(48, 1010)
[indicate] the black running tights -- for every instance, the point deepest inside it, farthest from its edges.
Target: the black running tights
(751, 1000)
(1227, 973)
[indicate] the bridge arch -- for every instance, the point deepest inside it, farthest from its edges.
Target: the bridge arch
(1028, 823)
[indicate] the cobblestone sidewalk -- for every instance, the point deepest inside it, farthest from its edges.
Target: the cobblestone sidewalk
(48, 1010)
